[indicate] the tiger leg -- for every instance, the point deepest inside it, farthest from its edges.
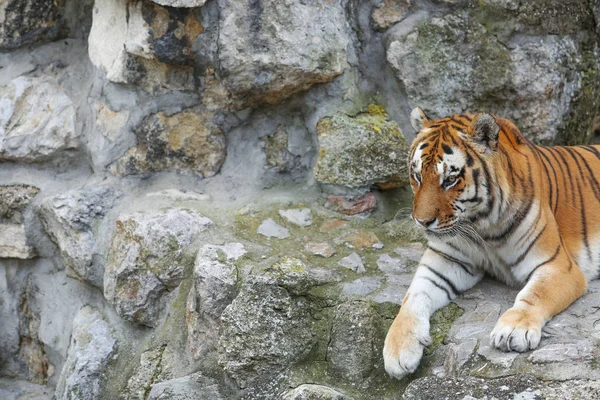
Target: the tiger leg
(437, 282)
(551, 288)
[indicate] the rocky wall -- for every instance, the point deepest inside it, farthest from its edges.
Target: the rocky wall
(204, 199)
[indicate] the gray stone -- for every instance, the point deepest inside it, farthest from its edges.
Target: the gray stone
(497, 357)
(322, 249)
(361, 151)
(147, 259)
(362, 286)
(270, 51)
(187, 141)
(24, 22)
(71, 220)
(577, 352)
(314, 392)
(12, 389)
(351, 351)
(13, 240)
(277, 150)
(191, 387)
(264, 331)
(353, 262)
(37, 120)
(390, 265)
(93, 346)
(143, 43)
(298, 216)
(297, 277)
(215, 287)
(389, 13)
(534, 82)
(270, 228)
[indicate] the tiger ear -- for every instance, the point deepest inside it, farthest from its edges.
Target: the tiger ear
(418, 119)
(484, 130)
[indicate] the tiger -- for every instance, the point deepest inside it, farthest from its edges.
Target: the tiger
(490, 201)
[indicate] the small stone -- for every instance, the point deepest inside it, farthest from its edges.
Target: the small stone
(390, 12)
(497, 357)
(301, 217)
(355, 206)
(362, 286)
(195, 386)
(353, 262)
(270, 228)
(361, 240)
(277, 151)
(322, 249)
(378, 246)
(314, 392)
(412, 252)
(332, 224)
(390, 265)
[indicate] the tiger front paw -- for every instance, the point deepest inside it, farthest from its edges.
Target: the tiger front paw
(404, 346)
(517, 330)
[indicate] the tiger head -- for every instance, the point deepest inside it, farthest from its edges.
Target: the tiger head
(450, 169)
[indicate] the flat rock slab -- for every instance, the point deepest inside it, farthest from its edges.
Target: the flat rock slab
(270, 228)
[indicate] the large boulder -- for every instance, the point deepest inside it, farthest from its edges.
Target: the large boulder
(361, 151)
(140, 42)
(547, 82)
(37, 120)
(269, 50)
(93, 347)
(187, 141)
(27, 21)
(14, 201)
(264, 330)
(71, 220)
(147, 259)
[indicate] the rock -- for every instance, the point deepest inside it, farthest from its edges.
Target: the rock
(37, 121)
(351, 350)
(93, 346)
(362, 240)
(314, 392)
(458, 356)
(24, 22)
(300, 216)
(264, 331)
(13, 241)
(147, 259)
(534, 82)
(270, 50)
(361, 151)
(322, 249)
(142, 43)
(353, 262)
(180, 3)
(413, 252)
(191, 387)
(362, 286)
(358, 205)
(111, 123)
(179, 195)
(277, 150)
(496, 357)
(270, 228)
(186, 142)
(580, 351)
(215, 287)
(332, 225)
(144, 375)
(11, 389)
(390, 265)
(296, 277)
(390, 12)
(71, 220)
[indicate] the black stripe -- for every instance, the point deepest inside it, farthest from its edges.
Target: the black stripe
(550, 185)
(456, 261)
(442, 277)
(591, 178)
(555, 176)
(438, 286)
(563, 175)
(564, 160)
(544, 263)
(423, 146)
(524, 254)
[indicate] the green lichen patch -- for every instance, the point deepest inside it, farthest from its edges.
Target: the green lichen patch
(441, 322)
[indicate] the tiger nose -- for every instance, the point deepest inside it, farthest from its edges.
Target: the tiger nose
(425, 222)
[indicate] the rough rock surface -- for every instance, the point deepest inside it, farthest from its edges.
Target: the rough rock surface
(195, 386)
(71, 220)
(361, 151)
(264, 59)
(147, 259)
(14, 201)
(314, 392)
(26, 21)
(37, 121)
(187, 142)
(492, 69)
(93, 346)
(180, 3)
